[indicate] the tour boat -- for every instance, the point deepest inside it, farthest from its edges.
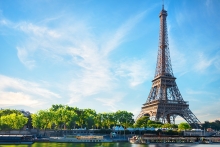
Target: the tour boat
(16, 139)
(136, 140)
(80, 139)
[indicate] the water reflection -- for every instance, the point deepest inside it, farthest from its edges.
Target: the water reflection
(108, 145)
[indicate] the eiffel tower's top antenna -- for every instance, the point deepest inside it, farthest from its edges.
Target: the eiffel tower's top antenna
(162, 4)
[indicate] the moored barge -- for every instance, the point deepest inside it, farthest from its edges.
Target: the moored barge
(16, 139)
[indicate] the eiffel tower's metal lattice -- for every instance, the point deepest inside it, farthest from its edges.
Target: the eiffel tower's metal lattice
(165, 102)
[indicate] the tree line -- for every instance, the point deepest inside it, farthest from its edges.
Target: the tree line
(66, 117)
(213, 125)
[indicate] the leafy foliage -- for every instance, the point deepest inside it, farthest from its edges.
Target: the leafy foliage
(169, 126)
(214, 125)
(142, 122)
(184, 126)
(13, 121)
(5, 112)
(146, 122)
(66, 117)
(63, 116)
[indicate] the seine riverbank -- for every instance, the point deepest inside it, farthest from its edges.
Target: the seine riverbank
(116, 144)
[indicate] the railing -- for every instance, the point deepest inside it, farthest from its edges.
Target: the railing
(169, 101)
(176, 102)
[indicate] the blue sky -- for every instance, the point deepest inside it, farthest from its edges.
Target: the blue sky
(101, 54)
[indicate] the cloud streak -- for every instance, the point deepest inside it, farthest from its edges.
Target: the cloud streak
(118, 37)
(137, 71)
(94, 74)
(113, 104)
(203, 63)
(15, 91)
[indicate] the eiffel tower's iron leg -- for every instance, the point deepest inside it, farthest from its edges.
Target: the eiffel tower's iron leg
(168, 118)
(174, 117)
(140, 115)
(191, 118)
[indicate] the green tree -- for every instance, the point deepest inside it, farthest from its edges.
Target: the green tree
(166, 125)
(214, 125)
(81, 117)
(108, 119)
(42, 119)
(142, 122)
(127, 119)
(72, 123)
(98, 120)
(89, 117)
(184, 126)
(35, 121)
(174, 126)
(14, 121)
(8, 112)
(56, 107)
(63, 117)
(73, 117)
(154, 124)
(124, 119)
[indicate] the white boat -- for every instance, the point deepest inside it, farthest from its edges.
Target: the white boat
(205, 141)
(84, 139)
(136, 140)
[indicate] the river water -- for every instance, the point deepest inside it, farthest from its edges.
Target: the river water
(122, 144)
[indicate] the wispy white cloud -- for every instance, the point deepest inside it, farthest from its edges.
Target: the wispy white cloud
(65, 39)
(15, 91)
(26, 86)
(23, 57)
(118, 36)
(137, 71)
(89, 82)
(17, 98)
(75, 41)
(4, 22)
(113, 104)
(35, 30)
(203, 62)
(94, 74)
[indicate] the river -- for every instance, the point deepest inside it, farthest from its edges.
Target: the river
(122, 144)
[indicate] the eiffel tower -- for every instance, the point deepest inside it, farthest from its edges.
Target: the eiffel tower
(165, 102)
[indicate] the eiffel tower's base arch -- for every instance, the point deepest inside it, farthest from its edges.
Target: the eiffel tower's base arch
(166, 112)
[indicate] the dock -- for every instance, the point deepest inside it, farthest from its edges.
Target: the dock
(174, 139)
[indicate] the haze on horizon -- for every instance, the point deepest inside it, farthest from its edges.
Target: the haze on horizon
(102, 54)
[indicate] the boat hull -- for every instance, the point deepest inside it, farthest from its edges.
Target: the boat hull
(17, 143)
(16, 139)
(58, 139)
